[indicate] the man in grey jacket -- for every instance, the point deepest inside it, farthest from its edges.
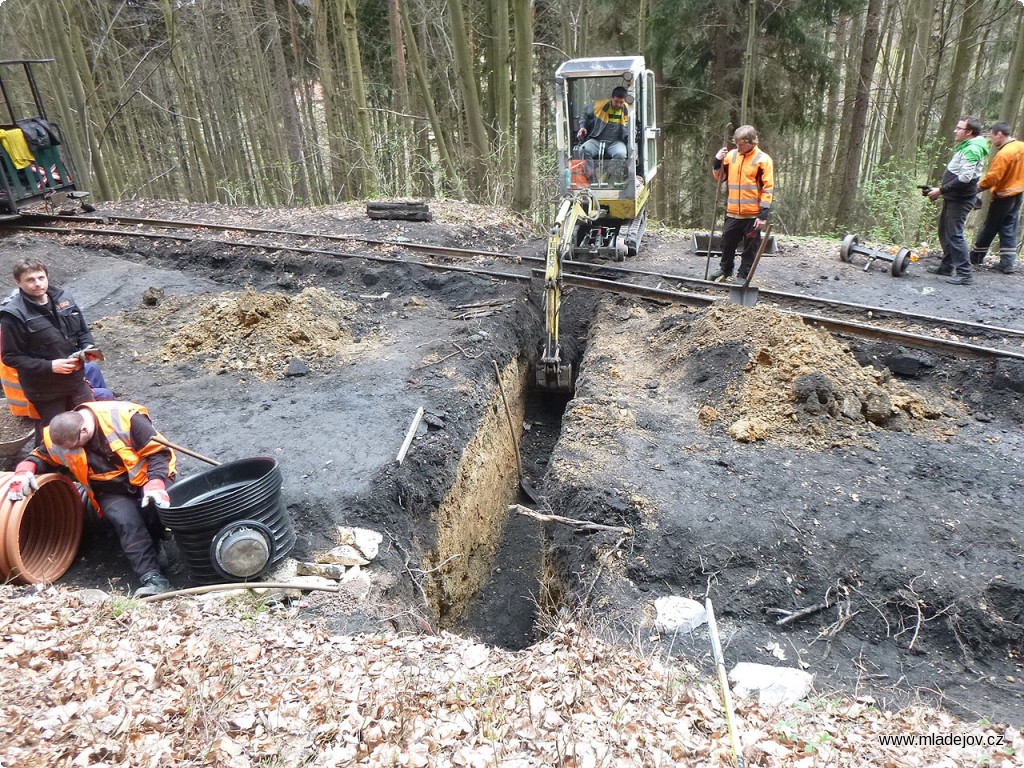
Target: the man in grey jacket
(959, 190)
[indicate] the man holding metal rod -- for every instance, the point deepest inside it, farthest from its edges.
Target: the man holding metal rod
(750, 186)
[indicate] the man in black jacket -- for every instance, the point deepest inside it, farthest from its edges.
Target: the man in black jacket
(43, 335)
(959, 191)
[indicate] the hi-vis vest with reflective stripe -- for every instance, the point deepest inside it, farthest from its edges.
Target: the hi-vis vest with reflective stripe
(751, 183)
(16, 400)
(606, 114)
(1005, 176)
(114, 422)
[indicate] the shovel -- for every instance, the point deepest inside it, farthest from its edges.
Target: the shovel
(186, 451)
(714, 210)
(744, 294)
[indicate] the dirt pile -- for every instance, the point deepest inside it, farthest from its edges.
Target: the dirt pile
(769, 376)
(12, 427)
(269, 334)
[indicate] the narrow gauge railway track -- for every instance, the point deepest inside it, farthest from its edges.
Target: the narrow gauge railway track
(1009, 342)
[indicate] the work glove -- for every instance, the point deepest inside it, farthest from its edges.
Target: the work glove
(154, 491)
(23, 482)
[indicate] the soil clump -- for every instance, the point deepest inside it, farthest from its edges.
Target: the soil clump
(787, 382)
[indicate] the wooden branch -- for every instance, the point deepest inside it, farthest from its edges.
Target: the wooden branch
(409, 436)
(582, 525)
(789, 618)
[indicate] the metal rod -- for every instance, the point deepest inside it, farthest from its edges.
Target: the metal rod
(238, 586)
(409, 436)
(508, 416)
(723, 681)
(186, 451)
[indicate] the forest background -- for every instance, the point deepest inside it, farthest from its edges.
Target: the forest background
(308, 102)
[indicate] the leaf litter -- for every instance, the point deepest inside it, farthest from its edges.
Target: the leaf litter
(92, 680)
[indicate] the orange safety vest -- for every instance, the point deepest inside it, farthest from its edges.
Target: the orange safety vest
(1005, 176)
(16, 400)
(114, 422)
(751, 183)
(578, 174)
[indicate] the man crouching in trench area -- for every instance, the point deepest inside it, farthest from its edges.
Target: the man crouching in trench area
(110, 448)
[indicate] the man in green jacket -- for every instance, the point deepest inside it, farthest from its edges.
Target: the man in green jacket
(959, 190)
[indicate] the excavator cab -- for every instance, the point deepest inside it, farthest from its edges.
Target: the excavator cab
(604, 188)
(621, 185)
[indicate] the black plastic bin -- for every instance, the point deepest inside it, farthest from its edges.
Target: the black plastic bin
(238, 502)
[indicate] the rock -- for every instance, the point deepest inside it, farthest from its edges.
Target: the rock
(358, 547)
(323, 570)
(816, 391)
(92, 596)
(1009, 374)
(679, 614)
(286, 281)
(433, 421)
(356, 583)
(152, 296)
(296, 368)
(852, 408)
(294, 592)
(371, 277)
(910, 364)
(879, 407)
(775, 686)
(748, 430)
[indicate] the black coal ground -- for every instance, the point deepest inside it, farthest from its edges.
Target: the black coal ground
(924, 536)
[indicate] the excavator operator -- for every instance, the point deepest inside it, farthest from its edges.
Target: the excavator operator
(606, 130)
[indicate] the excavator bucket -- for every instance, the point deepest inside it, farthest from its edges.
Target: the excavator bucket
(555, 377)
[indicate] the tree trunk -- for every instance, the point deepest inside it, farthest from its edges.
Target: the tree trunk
(1013, 90)
(465, 71)
(288, 114)
(905, 145)
(851, 164)
(320, 19)
(428, 103)
(958, 77)
(827, 156)
(522, 193)
(400, 84)
(748, 63)
(365, 175)
(500, 63)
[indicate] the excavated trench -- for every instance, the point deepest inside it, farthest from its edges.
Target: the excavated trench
(492, 574)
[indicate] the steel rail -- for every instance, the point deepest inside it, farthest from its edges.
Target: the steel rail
(169, 223)
(900, 314)
(834, 324)
(609, 286)
(968, 327)
(512, 276)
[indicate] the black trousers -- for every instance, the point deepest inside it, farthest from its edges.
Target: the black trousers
(1002, 220)
(49, 408)
(951, 236)
(734, 232)
(138, 529)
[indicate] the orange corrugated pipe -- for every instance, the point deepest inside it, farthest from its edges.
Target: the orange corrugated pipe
(39, 535)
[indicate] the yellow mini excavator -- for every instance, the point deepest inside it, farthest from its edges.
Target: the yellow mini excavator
(605, 181)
